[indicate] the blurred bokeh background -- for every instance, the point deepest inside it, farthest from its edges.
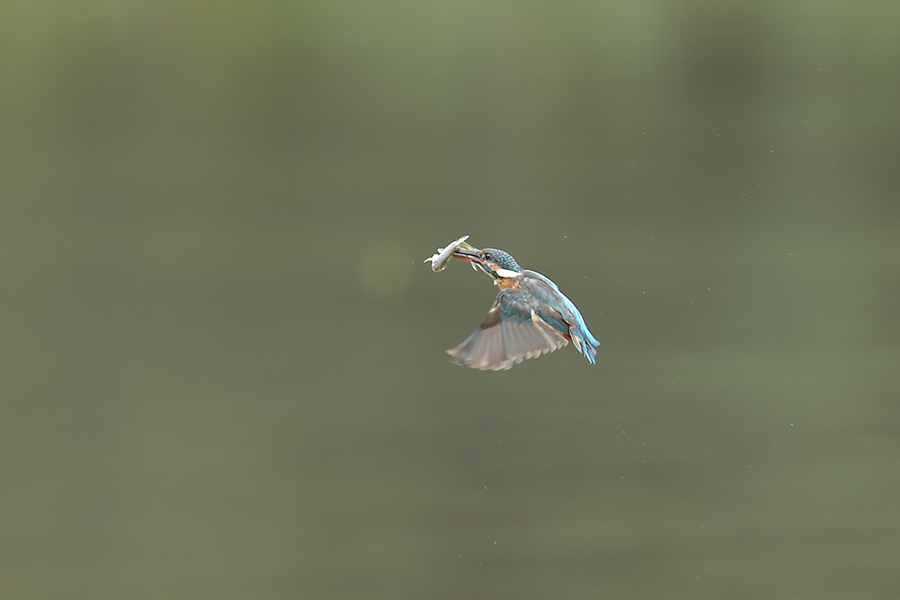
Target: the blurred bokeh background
(223, 368)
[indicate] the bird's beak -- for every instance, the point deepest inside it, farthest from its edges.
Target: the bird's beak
(469, 253)
(474, 256)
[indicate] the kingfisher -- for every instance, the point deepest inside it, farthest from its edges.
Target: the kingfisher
(530, 316)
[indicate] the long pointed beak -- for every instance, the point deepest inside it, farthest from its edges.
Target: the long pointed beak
(466, 252)
(473, 255)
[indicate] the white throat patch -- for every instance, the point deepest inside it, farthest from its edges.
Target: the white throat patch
(506, 273)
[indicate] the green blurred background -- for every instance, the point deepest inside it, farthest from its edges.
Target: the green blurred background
(223, 368)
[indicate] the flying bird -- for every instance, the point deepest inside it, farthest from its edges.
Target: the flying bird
(530, 316)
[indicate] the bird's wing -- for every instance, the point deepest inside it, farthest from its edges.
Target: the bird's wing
(512, 332)
(548, 294)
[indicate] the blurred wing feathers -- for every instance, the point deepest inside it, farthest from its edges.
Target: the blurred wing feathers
(512, 332)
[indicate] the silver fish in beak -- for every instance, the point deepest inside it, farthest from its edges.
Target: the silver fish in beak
(443, 255)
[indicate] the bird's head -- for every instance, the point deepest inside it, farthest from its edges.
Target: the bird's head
(496, 263)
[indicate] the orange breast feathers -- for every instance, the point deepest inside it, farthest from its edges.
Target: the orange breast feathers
(505, 283)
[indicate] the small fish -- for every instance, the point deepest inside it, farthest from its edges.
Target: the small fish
(443, 255)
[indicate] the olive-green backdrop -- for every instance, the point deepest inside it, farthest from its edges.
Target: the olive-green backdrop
(223, 368)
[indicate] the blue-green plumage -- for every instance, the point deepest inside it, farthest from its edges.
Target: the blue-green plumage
(530, 317)
(501, 258)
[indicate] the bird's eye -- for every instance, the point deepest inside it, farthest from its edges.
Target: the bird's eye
(487, 256)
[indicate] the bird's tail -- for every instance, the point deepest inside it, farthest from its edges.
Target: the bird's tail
(585, 343)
